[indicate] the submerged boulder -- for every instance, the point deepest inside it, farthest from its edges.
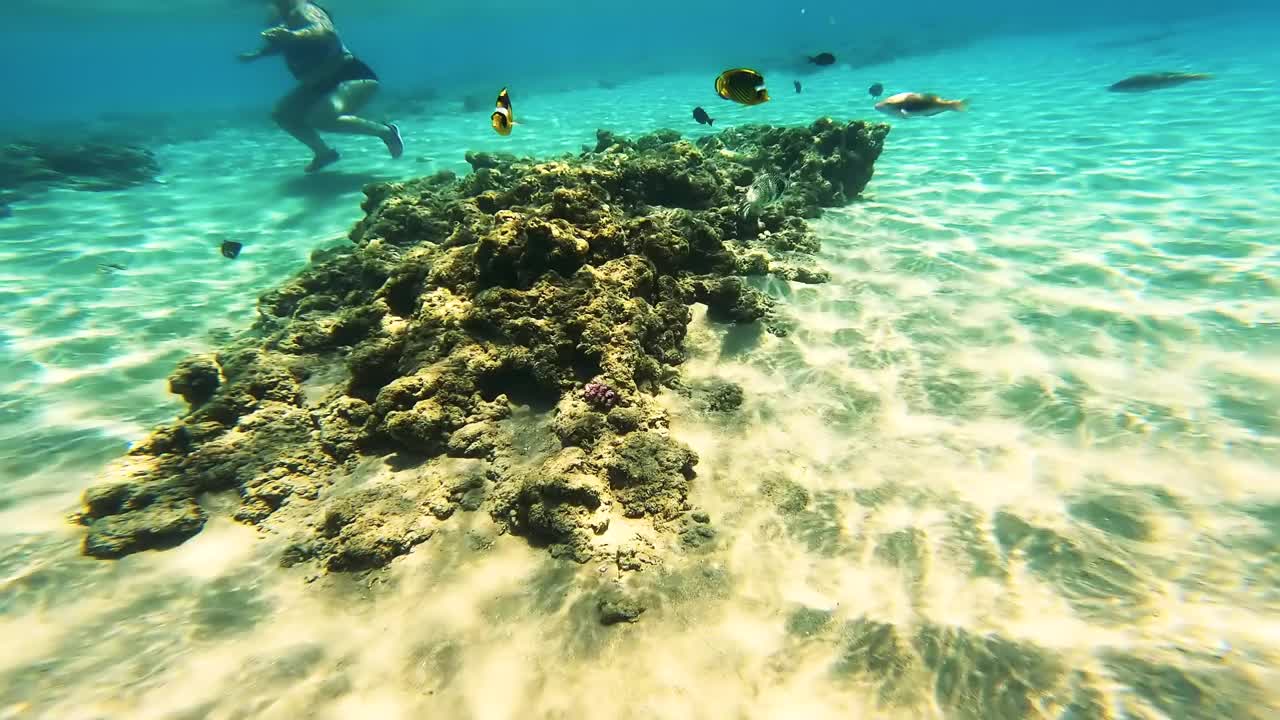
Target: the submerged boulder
(481, 320)
(196, 379)
(650, 475)
(129, 517)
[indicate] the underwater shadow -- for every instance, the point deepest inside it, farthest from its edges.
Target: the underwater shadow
(403, 460)
(149, 632)
(325, 186)
(740, 340)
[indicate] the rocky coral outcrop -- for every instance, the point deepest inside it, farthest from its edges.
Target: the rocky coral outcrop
(520, 318)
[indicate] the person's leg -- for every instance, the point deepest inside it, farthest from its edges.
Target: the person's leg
(336, 114)
(291, 115)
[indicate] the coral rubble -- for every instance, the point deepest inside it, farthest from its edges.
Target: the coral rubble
(518, 320)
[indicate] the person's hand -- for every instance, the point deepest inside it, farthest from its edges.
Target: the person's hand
(276, 34)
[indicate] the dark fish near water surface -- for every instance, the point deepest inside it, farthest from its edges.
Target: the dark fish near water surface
(502, 118)
(231, 249)
(742, 85)
(797, 84)
(1157, 81)
(702, 117)
(5, 211)
(875, 90)
(823, 59)
(111, 267)
(919, 105)
(1135, 41)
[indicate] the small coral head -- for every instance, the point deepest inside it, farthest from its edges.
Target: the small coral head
(600, 395)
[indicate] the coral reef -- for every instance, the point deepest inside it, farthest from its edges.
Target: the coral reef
(27, 167)
(519, 319)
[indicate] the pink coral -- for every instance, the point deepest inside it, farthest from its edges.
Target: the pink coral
(600, 396)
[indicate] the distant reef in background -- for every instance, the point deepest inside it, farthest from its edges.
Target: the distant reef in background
(27, 168)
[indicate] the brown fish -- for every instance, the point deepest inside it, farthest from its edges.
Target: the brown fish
(919, 105)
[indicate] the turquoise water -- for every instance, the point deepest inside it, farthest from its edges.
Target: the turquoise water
(1036, 412)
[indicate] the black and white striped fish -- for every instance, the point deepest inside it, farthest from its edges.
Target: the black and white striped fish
(763, 192)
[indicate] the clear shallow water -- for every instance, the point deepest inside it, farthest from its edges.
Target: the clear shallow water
(1034, 415)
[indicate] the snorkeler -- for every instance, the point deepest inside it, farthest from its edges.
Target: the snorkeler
(332, 83)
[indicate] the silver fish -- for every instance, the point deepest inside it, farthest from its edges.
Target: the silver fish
(764, 191)
(910, 104)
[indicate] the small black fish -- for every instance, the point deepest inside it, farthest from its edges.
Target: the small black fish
(797, 83)
(1135, 41)
(823, 59)
(231, 249)
(110, 267)
(876, 90)
(702, 117)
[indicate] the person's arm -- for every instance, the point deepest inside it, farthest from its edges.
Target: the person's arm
(268, 47)
(261, 52)
(318, 28)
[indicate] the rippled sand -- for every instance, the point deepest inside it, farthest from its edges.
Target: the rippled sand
(1020, 458)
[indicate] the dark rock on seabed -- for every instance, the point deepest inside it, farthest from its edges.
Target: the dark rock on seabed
(462, 301)
(616, 607)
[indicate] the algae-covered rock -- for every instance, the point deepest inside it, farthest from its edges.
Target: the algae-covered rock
(650, 475)
(635, 556)
(561, 505)
(558, 289)
(802, 274)
(365, 530)
(425, 427)
(196, 379)
(718, 396)
(579, 427)
(476, 440)
(131, 517)
(697, 534)
(625, 419)
(617, 607)
(729, 299)
(342, 426)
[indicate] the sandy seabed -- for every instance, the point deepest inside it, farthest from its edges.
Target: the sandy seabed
(1017, 459)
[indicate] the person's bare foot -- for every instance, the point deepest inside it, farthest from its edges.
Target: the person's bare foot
(323, 160)
(395, 143)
